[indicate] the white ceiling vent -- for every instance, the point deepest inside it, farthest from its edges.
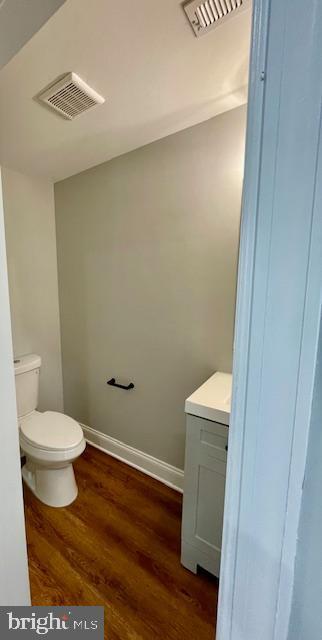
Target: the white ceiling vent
(70, 96)
(205, 16)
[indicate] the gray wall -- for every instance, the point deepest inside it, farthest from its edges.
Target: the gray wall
(147, 251)
(306, 617)
(32, 267)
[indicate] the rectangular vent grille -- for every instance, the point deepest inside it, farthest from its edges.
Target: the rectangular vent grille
(70, 96)
(205, 16)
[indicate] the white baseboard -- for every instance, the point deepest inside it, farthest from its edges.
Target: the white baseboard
(162, 471)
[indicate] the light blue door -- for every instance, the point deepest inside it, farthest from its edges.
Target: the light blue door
(277, 323)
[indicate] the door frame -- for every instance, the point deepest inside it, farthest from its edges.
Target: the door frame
(277, 321)
(14, 580)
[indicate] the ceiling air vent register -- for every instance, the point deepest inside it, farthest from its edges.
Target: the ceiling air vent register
(70, 96)
(205, 16)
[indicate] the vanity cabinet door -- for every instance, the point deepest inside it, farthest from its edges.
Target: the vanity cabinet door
(204, 494)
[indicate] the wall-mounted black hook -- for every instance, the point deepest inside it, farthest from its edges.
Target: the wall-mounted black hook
(112, 382)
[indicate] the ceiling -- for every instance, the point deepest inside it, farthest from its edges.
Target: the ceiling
(143, 57)
(19, 20)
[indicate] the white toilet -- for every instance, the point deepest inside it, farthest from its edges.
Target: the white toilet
(50, 441)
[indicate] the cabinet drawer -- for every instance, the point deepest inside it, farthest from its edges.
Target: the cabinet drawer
(212, 436)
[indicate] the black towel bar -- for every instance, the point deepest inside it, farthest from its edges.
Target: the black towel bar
(112, 382)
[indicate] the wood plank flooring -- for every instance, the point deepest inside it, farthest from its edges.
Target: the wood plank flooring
(118, 545)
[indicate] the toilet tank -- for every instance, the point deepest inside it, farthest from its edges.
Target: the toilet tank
(27, 383)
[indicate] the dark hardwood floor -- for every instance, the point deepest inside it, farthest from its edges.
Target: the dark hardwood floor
(118, 545)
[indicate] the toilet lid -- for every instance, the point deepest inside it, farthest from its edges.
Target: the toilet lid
(51, 430)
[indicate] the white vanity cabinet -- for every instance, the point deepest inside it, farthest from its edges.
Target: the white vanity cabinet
(208, 411)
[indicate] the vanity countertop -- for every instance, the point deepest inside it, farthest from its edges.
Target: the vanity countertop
(212, 400)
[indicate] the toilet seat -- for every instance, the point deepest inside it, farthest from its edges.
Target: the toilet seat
(51, 431)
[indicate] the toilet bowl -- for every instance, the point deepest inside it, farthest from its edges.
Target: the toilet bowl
(51, 441)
